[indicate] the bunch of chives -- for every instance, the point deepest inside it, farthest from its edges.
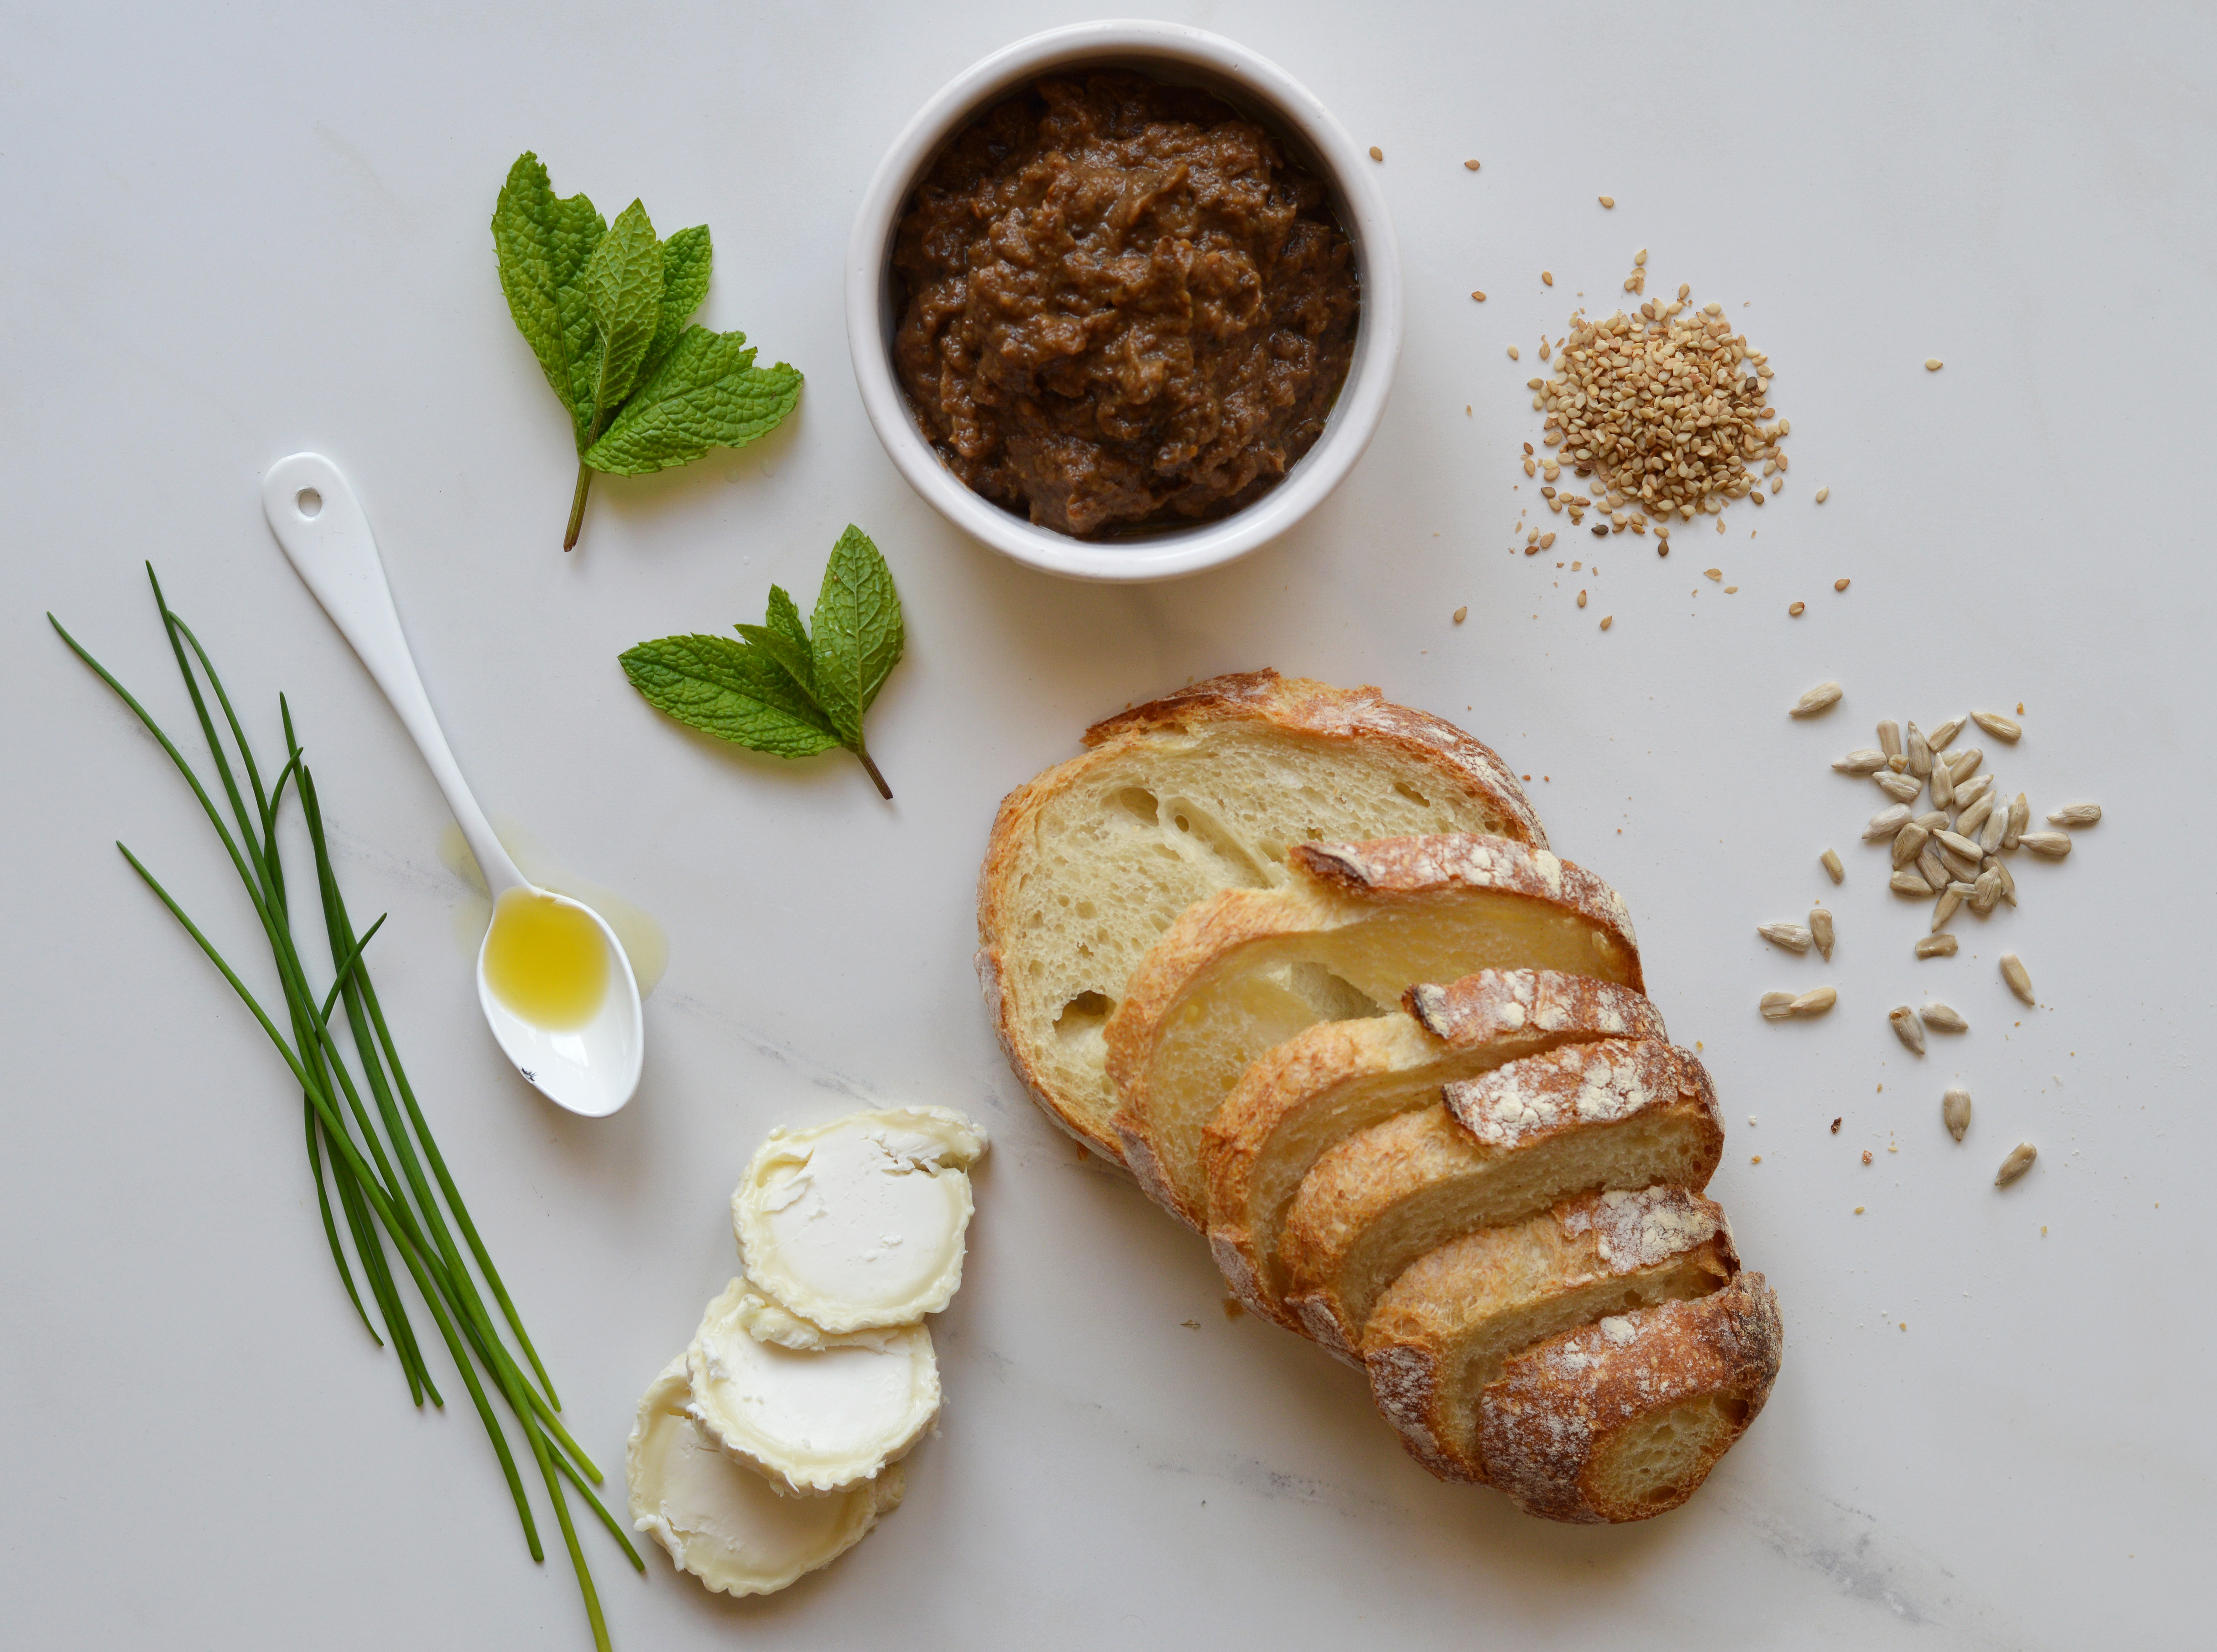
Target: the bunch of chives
(366, 1136)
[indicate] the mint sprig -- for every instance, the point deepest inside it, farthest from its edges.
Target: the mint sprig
(786, 688)
(603, 307)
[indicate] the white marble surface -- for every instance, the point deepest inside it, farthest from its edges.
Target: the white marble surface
(237, 231)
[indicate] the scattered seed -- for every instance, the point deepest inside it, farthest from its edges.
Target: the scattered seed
(1889, 737)
(1822, 698)
(1908, 1027)
(1970, 819)
(1918, 752)
(2009, 882)
(1967, 847)
(2019, 1161)
(1376, 153)
(1931, 867)
(1909, 842)
(2075, 814)
(1960, 867)
(1969, 792)
(1990, 835)
(1964, 764)
(1776, 1006)
(1713, 573)
(1794, 608)
(1864, 761)
(1906, 882)
(1945, 910)
(1935, 947)
(2002, 728)
(1816, 1001)
(2020, 815)
(1512, 353)
(1820, 930)
(1547, 540)
(2052, 846)
(1480, 297)
(1470, 166)
(1867, 1159)
(1547, 278)
(1607, 200)
(1986, 892)
(1582, 599)
(1944, 735)
(2019, 979)
(1900, 787)
(1943, 790)
(1885, 824)
(1823, 494)
(1932, 364)
(1941, 1019)
(1607, 620)
(1955, 1111)
(1792, 936)
(1830, 862)
(1462, 614)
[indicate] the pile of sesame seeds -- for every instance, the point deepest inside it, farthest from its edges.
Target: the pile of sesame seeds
(1666, 406)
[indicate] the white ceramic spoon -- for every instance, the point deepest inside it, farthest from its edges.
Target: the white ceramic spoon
(591, 1070)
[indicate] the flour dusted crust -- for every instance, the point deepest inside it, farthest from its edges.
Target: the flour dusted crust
(1298, 1101)
(1614, 1113)
(1624, 1420)
(1305, 760)
(1381, 916)
(1446, 1326)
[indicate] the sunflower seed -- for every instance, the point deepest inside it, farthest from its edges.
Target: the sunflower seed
(1932, 820)
(1941, 1019)
(1822, 698)
(1907, 1027)
(1889, 737)
(2020, 813)
(2002, 728)
(1792, 936)
(2020, 980)
(1830, 862)
(2076, 814)
(1990, 835)
(1969, 792)
(1956, 842)
(1816, 1001)
(1909, 883)
(1965, 764)
(1920, 753)
(2052, 846)
(1968, 821)
(1908, 842)
(1943, 790)
(1955, 1111)
(1930, 868)
(1777, 1005)
(2019, 1161)
(1944, 736)
(1885, 824)
(1945, 910)
(1935, 947)
(1820, 930)
(1902, 788)
(1960, 870)
(1986, 891)
(1863, 762)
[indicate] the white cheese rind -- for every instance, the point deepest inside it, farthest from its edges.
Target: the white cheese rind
(723, 1522)
(860, 1223)
(814, 1412)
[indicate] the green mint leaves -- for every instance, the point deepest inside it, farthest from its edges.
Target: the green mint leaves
(788, 689)
(603, 307)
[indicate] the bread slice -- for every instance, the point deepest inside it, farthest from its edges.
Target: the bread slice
(1588, 1117)
(1203, 791)
(1356, 926)
(1625, 1420)
(1299, 1100)
(1446, 1327)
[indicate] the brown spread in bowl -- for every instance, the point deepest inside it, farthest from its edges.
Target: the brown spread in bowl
(1122, 305)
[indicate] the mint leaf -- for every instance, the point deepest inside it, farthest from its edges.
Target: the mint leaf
(729, 690)
(622, 281)
(544, 241)
(856, 633)
(708, 394)
(781, 690)
(686, 257)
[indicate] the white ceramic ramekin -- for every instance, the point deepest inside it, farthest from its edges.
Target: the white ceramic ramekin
(1258, 87)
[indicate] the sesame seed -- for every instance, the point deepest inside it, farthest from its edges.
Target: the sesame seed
(1839, 584)
(1795, 608)
(1547, 278)
(1480, 297)
(1932, 364)
(1512, 353)
(1607, 620)
(1607, 201)
(1823, 494)
(1462, 614)
(1376, 153)
(1470, 166)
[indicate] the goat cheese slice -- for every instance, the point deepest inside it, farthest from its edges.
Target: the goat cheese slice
(722, 1521)
(859, 1223)
(814, 1411)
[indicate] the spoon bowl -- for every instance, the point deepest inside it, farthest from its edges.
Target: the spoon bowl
(590, 1067)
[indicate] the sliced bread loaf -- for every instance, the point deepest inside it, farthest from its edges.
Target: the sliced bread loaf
(1587, 1116)
(1201, 790)
(1446, 1327)
(1359, 923)
(1298, 1101)
(1624, 1419)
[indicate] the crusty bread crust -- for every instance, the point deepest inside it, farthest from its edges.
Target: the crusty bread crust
(1443, 1034)
(1337, 886)
(1548, 1427)
(1437, 1337)
(1559, 1111)
(1463, 767)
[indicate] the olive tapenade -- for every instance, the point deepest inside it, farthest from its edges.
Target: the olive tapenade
(1122, 305)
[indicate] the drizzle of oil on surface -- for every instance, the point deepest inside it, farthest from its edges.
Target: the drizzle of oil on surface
(545, 960)
(643, 939)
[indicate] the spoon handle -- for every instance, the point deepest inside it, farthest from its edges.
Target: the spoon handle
(325, 536)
